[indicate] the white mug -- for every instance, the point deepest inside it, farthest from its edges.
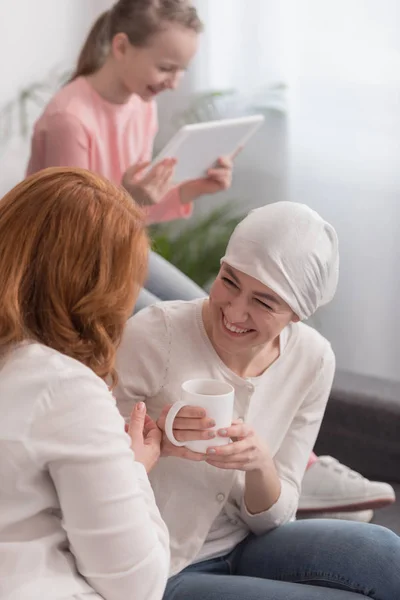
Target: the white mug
(216, 397)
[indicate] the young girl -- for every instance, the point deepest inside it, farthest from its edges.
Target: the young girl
(105, 119)
(230, 511)
(77, 514)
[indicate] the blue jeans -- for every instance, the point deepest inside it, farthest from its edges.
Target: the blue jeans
(166, 282)
(303, 560)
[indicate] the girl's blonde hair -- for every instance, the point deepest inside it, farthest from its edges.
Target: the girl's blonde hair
(139, 20)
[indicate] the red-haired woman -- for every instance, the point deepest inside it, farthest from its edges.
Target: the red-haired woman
(77, 513)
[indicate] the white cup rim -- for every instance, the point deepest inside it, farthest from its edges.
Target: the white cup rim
(190, 385)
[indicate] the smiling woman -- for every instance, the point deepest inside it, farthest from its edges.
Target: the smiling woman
(240, 306)
(280, 265)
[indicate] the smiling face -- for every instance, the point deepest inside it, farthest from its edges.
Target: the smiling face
(243, 313)
(158, 66)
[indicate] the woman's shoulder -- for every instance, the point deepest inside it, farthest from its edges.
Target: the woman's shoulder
(160, 328)
(310, 344)
(163, 316)
(32, 365)
(40, 387)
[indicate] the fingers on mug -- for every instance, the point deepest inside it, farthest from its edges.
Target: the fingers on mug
(169, 423)
(215, 397)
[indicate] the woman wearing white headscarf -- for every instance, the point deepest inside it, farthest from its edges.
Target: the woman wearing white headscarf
(231, 511)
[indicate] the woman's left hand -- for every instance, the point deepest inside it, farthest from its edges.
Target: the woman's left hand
(246, 452)
(218, 178)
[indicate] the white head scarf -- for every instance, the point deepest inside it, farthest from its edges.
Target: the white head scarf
(289, 248)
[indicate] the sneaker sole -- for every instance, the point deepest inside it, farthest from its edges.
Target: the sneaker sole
(355, 505)
(359, 516)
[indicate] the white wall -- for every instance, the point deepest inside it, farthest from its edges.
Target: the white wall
(345, 162)
(36, 37)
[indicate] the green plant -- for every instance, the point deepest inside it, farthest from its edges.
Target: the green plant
(197, 248)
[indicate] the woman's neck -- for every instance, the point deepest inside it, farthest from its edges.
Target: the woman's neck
(254, 363)
(249, 363)
(105, 83)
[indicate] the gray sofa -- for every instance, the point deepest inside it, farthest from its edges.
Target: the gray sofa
(361, 428)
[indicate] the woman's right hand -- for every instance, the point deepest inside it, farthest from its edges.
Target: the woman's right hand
(150, 188)
(191, 423)
(146, 437)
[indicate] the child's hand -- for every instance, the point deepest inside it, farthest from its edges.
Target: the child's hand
(150, 188)
(218, 179)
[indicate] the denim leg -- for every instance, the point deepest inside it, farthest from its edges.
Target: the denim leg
(168, 283)
(344, 555)
(214, 580)
(165, 282)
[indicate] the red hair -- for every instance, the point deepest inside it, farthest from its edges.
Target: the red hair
(73, 256)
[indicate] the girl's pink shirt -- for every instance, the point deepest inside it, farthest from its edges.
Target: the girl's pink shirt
(78, 128)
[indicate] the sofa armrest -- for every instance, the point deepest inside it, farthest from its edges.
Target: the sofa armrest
(361, 427)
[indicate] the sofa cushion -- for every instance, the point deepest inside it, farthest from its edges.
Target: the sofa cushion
(361, 427)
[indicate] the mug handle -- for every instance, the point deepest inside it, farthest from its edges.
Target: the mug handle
(169, 423)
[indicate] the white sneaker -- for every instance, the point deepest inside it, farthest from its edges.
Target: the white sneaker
(363, 516)
(329, 486)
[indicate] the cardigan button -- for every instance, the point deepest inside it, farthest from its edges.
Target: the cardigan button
(220, 497)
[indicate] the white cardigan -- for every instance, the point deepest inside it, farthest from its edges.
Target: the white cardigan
(165, 345)
(77, 514)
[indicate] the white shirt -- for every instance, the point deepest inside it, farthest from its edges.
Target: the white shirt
(77, 513)
(226, 533)
(165, 345)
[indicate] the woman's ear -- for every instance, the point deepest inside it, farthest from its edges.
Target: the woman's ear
(295, 318)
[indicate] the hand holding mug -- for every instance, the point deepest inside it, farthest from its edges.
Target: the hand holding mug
(247, 452)
(205, 406)
(190, 424)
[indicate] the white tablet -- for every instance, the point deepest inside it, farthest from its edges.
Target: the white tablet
(197, 147)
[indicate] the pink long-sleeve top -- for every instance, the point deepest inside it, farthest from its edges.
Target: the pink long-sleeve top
(78, 128)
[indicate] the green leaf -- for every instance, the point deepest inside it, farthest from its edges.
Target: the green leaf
(197, 247)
